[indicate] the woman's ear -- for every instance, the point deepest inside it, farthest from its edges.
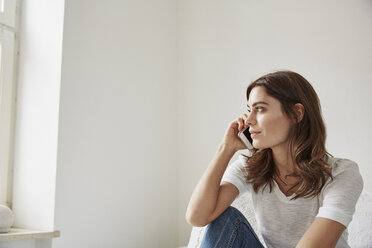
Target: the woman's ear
(300, 111)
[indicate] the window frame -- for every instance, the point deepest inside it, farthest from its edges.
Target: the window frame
(8, 60)
(8, 13)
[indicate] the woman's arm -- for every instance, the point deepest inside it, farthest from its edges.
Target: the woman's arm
(321, 233)
(211, 197)
(338, 207)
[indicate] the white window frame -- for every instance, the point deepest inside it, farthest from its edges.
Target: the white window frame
(8, 13)
(8, 58)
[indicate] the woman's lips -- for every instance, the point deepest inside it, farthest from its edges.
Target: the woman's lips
(254, 134)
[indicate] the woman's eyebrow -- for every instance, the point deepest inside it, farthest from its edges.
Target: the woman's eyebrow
(254, 104)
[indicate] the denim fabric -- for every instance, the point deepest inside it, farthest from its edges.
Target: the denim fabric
(230, 230)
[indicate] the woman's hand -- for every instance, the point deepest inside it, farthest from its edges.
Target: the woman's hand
(231, 138)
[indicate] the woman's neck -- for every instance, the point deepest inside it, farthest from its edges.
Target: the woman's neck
(283, 161)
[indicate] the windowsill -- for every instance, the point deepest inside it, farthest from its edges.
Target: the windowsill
(16, 234)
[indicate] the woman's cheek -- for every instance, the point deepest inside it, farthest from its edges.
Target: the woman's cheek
(281, 127)
(276, 126)
(260, 120)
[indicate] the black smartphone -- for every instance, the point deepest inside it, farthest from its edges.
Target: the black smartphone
(245, 136)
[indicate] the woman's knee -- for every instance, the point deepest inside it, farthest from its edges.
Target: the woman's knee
(231, 227)
(230, 215)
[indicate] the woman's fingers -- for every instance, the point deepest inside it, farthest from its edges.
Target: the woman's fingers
(242, 121)
(246, 120)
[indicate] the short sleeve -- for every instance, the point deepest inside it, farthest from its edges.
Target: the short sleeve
(341, 194)
(236, 175)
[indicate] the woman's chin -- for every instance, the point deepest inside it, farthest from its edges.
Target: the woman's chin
(258, 146)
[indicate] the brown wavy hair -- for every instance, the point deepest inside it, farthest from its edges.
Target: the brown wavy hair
(306, 138)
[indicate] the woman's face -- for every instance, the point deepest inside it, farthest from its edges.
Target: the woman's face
(265, 117)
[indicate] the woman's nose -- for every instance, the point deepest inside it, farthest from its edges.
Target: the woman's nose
(251, 120)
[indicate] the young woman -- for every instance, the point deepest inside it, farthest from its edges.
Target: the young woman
(302, 196)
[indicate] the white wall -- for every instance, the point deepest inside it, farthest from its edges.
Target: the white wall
(122, 82)
(37, 243)
(116, 173)
(224, 45)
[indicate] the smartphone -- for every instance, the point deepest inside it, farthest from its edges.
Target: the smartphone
(245, 136)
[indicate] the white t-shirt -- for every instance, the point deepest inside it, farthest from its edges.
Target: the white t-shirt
(282, 222)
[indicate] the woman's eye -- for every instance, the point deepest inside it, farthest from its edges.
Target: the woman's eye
(259, 109)
(256, 109)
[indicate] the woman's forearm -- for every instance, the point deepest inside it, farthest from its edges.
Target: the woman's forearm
(204, 197)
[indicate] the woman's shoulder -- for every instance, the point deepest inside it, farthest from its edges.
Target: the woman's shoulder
(240, 162)
(238, 166)
(339, 165)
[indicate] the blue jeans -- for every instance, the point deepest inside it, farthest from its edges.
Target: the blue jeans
(230, 230)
